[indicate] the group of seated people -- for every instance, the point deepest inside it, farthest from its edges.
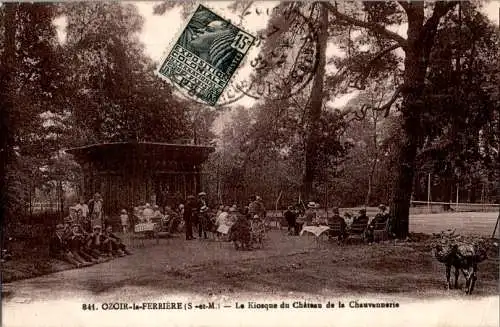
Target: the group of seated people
(71, 243)
(168, 218)
(347, 224)
(232, 223)
(147, 213)
(243, 226)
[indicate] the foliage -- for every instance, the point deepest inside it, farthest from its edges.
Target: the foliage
(120, 98)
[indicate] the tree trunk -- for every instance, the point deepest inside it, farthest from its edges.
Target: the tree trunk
(374, 163)
(416, 61)
(7, 62)
(315, 107)
(401, 197)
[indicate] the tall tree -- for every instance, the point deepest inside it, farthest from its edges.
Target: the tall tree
(120, 98)
(32, 86)
(417, 48)
(315, 104)
(7, 71)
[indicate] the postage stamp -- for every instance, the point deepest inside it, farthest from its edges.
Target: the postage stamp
(206, 55)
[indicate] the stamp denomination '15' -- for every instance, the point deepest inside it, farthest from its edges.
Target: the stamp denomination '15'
(206, 55)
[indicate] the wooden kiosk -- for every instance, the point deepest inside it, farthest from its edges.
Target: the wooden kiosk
(128, 174)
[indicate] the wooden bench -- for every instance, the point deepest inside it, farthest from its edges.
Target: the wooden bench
(381, 231)
(337, 230)
(357, 229)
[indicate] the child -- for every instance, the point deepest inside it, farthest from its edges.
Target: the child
(124, 220)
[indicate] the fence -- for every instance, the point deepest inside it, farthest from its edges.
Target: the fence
(438, 207)
(417, 207)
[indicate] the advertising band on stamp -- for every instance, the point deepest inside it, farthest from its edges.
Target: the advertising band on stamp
(206, 55)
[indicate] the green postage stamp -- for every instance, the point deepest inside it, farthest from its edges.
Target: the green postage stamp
(206, 55)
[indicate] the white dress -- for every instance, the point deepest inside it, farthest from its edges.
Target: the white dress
(223, 223)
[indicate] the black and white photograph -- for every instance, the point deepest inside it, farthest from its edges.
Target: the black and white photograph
(346, 172)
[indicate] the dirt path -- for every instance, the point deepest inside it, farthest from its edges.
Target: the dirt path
(286, 265)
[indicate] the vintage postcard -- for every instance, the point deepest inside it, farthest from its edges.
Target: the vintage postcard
(249, 163)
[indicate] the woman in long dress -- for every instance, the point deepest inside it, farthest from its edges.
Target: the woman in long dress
(223, 222)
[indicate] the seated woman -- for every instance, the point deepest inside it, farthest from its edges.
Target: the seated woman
(223, 222)
(310, 215)
(240, 233)
(157, 214)
(147, 213)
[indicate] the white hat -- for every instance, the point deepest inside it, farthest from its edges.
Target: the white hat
(311, 205)
(204, 208)
(202, 194)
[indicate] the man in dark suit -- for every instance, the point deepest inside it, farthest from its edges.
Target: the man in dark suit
(362, 218)
(58, 247)
(189, 210)
(291, 220)
(201, 211)
(337, 220)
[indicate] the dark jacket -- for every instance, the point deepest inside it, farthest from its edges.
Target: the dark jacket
(361, 219)
(336, 219)
(379, 218)
(189, 210)
(290, 216)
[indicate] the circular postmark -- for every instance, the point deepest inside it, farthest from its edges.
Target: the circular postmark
(280, 68)
(277, 64)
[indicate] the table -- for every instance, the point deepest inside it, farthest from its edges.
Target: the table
(145, 227)
(316, 230)
(148, 228)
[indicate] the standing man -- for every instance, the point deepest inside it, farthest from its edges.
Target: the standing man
(291, 220)
(96, 207)
(84, 219)
(188, 216)
(202, 214)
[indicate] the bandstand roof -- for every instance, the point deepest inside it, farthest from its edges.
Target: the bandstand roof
(154, 151)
